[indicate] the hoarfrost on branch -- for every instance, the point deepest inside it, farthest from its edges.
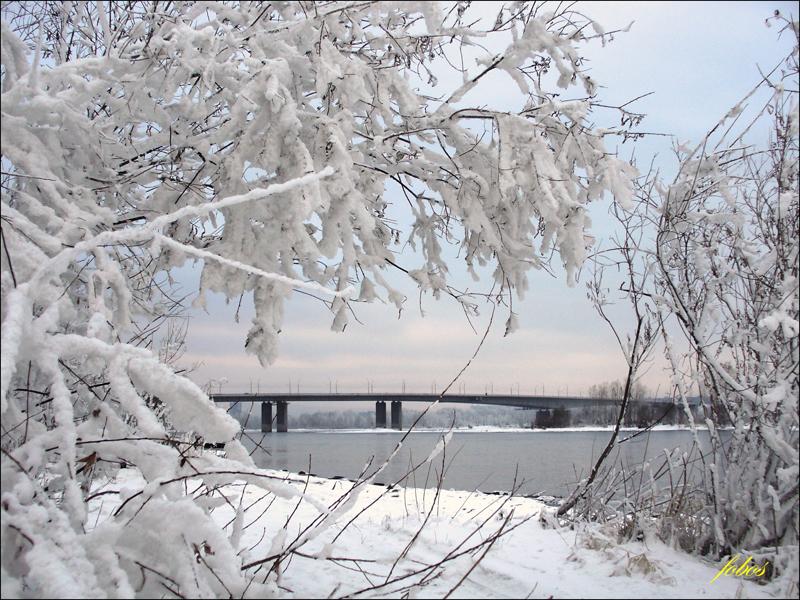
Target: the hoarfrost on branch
(271, 142)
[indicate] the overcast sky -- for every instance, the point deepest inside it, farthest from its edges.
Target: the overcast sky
(698, 58)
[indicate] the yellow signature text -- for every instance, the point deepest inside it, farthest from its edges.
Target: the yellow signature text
(747, 569)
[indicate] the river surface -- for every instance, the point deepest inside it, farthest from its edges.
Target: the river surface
(540, 462)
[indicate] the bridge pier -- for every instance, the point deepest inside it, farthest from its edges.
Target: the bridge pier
(380, 414)
(397, 414)
(283, 416)
(266, 417)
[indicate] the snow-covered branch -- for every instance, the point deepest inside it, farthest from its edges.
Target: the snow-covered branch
(273, 143)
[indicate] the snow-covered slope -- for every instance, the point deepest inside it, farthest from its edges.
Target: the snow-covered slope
(357, 555)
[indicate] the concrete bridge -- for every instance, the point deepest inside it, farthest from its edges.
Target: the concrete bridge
(281, 402)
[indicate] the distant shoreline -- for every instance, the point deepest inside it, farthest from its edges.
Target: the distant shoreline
(495, 429)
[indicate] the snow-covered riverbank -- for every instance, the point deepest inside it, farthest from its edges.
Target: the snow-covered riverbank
(356, 554)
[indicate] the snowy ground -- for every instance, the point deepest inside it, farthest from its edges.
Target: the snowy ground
(531, 560)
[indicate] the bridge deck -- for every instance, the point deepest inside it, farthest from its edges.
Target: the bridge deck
(544, 402)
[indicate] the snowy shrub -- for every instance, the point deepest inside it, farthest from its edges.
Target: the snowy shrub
(726, 263)
(727, 257)
(267, 141)
(712, 266)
